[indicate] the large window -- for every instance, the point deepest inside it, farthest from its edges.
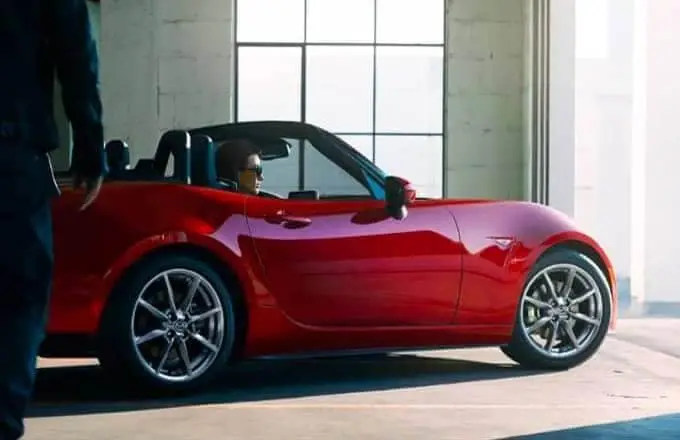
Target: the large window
(370, 71)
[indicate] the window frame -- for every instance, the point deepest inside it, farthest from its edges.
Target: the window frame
(375, 45)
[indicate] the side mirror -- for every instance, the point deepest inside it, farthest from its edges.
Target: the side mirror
(399, 194)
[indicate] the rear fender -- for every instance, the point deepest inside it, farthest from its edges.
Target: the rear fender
(168, 241)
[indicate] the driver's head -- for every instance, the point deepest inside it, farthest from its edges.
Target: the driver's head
(239, 161)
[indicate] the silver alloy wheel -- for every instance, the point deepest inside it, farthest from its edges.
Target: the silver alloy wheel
(178, 325)
(561, 310)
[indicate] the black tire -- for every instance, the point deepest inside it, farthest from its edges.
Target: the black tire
(117, 350)
(524, 352)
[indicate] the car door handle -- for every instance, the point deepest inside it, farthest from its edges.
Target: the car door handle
(287, 220)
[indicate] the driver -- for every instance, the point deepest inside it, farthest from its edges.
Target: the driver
(239, 161)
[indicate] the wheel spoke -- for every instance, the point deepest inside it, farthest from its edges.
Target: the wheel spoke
(537, 303)
(197, 337)
(583, 297)
(550, 309)
(205, 315)
(166, 354)
(184, 354)
(568, 284)
(154, 311)
(585, 318)
(538, 325)
(550, 286)
(550, 343)
(570, 333)
(172, 357)
(153, 334)
(170, 292)
(195, 283)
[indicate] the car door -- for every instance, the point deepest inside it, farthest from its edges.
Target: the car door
(333, 263)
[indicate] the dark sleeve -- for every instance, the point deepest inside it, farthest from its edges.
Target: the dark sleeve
(77, 64)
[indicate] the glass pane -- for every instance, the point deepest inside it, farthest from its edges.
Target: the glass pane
(270, 21)
(410, 89)
(419, 159)
(340, 21)
(410, 21)
(269, 83)
(282, 176)
(328, 178)
(340, 88)
(362, 143)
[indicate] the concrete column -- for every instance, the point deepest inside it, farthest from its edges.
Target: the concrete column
(485, 98)
(165, 64)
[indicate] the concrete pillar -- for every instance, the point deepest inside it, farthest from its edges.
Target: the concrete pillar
(165, 64)
(485, 98)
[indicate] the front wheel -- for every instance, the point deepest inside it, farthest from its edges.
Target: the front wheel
(563, 314)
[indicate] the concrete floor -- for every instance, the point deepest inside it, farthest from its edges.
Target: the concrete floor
(630, 390)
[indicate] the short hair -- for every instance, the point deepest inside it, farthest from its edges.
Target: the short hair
(232, 156)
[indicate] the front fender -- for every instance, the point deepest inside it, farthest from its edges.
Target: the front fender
(543, 228)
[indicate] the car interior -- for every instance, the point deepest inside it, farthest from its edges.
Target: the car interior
(193, 161)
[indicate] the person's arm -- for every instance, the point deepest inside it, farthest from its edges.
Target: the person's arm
(77, 65)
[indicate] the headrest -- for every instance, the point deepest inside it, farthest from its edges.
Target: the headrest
(203, 167)
(177, 143)
(117, 155)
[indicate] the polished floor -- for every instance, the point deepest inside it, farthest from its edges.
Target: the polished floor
(631, 390)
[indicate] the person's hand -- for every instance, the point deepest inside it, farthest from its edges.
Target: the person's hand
(92, 187)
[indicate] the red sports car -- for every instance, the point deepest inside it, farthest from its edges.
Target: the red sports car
(171, 276)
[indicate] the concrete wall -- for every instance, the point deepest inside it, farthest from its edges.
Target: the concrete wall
(168, 64)
(165, 64)
(485, 98)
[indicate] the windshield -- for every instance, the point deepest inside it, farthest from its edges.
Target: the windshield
(363, 160)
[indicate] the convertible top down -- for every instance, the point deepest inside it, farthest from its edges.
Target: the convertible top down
(171, 276)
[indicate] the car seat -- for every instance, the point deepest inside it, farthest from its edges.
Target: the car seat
(117, 158)
(178, 144)
(174, 142)
(203, 167)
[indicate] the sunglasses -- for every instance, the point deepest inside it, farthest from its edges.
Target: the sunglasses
(256, 169)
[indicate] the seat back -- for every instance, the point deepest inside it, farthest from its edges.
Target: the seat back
(178, 144)
(203, 166)
(117, 157)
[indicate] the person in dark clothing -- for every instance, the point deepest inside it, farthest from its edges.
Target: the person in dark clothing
(37, 38)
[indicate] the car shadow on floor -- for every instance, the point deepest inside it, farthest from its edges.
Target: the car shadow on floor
(62, 391)
(666, 427)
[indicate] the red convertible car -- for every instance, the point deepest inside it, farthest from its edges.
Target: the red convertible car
(172, 275)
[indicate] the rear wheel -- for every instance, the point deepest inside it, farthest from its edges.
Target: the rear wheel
(169, 325)
(563, 314)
